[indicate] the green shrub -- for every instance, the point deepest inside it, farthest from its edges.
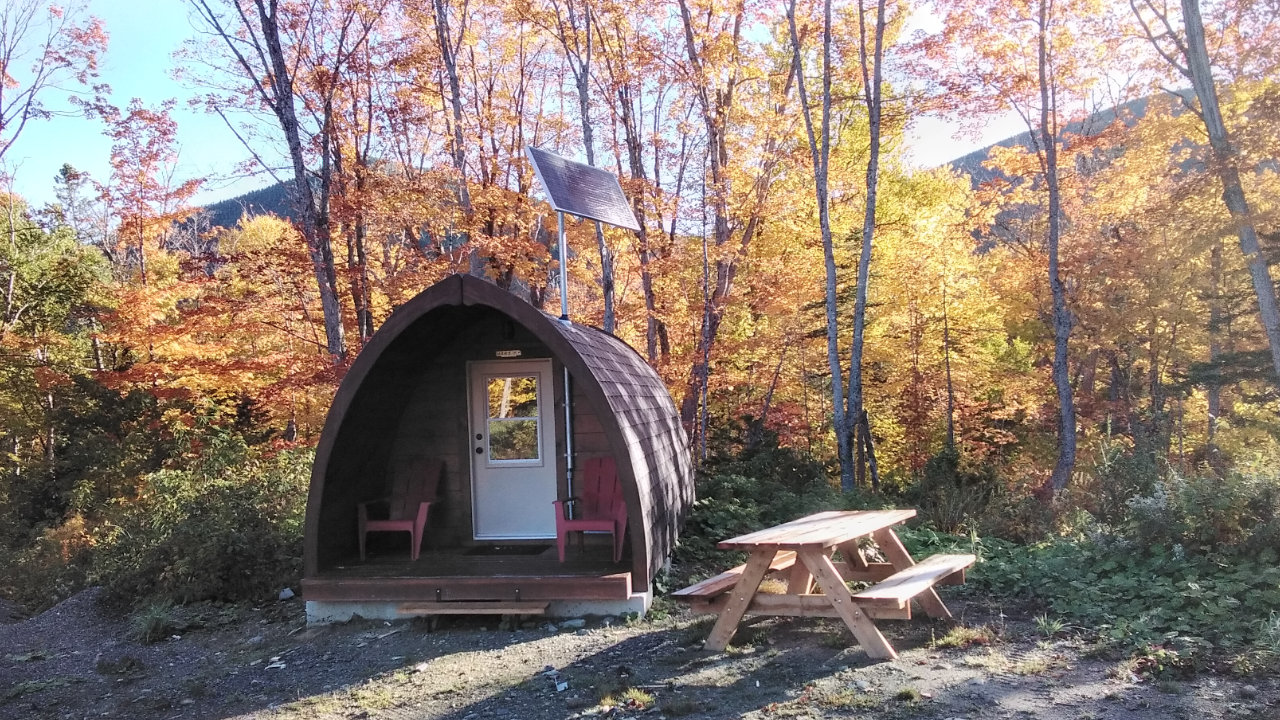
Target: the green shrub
(1119, 473)
(50, 567)
(953, 492)
(758, 487)
(1206, 513)
(228, 528)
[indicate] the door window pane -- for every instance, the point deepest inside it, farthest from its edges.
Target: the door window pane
(513, 418)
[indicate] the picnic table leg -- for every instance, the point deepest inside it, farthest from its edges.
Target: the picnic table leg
(799, 580)
(863, 629)
(739, 599)
(898, 556)
(852, 555)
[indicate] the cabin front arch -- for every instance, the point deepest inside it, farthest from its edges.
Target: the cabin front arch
(405, 399)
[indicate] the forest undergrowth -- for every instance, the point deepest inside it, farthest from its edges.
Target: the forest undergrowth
(1182, 573)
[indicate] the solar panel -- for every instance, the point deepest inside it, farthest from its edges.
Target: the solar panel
(582, 190)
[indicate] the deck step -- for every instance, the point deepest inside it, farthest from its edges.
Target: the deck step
(462, 607)
(903, 585)
(722, 583)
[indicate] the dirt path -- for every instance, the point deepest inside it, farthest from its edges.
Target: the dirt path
(76, 661)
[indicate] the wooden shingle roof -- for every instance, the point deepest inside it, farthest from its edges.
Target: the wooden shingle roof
(648, 430)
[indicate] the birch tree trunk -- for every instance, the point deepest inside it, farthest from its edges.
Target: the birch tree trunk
(261, 60)
(315, 220)
(457, 148)
(1189, 56)
(1225, 162)
(871, 80)
(1062, 320)
(820, 151)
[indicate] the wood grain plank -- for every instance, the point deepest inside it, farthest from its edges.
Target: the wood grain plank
(917, 582)
(799, 580)
(811, 605)
(874, 572)
(824, 529)
(739, 599)
(892, 548)
(852, 554)
(718, 584)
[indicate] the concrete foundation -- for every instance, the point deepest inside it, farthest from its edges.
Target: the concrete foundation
(321, 612)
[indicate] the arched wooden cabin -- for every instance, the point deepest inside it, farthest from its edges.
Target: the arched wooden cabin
(416, 395)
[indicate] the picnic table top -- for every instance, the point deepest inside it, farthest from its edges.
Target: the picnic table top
(823, 530)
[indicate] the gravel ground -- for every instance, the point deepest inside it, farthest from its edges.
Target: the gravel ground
(77, 661)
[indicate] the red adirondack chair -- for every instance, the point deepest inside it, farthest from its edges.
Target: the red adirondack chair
(597, 507)
(412, 492)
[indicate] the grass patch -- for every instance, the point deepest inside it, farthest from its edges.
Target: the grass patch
(631, 698)
(963, 636)
(373, 697)
(850, 699)
(1049, 627)
(991, 660)
(154, 623)
(1037, 665)
(908, 695)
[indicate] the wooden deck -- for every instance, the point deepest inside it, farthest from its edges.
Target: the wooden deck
(448, 575)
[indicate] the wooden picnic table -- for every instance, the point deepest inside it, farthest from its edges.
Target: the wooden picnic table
(805, 549)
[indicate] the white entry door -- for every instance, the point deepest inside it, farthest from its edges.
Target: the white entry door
(512, 450)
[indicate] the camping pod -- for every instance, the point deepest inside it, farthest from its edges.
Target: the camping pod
(505, 407)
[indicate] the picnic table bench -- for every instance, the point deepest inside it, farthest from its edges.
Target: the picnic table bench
(805, 550)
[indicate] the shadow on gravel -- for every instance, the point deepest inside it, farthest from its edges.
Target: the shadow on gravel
(775, 663)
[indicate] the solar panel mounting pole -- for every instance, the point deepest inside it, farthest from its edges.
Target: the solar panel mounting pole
(568, 392)
(564, 264)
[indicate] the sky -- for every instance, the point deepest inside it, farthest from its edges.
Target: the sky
(139, 62)
(143, 36)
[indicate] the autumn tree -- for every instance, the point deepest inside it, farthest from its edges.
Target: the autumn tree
(143, 193)
(1040, 59)
(718, 57)
(50, 286)
(1186, 51)
(289, 60)
(44, 47)
(820, 150)
(79, 206)
(653, 153)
